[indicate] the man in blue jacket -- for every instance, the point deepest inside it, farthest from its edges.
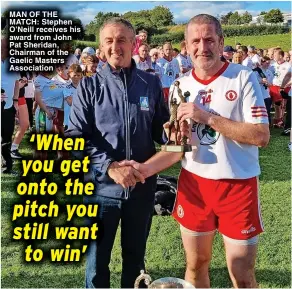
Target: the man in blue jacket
(120, 112)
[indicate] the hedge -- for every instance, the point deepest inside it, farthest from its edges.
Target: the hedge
(228, 31)
(82, 44)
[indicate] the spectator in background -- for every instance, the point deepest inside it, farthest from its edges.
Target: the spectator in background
(140, 38)
(143, 60)
(77, 53)
(10, 85)
(183, 60)
(89, 51)
(71, 58)
(255, 58)
(287, 56)
(260, 52)
(157, 70)
(175, 52)
(29, 97)
(61, 80)
(271, 54)
(246, 61)
(170, 69)
(101, 60)
(265, 78)
(290, 55)
(237, 58)
(75, 74)
(97, 52)
(279, 68)
(160, 52)
(237, 46)
(285, 91)
(228, 53)
(90, 65)
(23, 119)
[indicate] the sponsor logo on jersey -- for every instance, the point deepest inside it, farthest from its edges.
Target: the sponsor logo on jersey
(53, 86)
(245, 232)
(206, 134)
(180, 211)
(202, 92)
(231, 95)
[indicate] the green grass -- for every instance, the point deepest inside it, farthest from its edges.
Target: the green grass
(262, 41)
(165, 256)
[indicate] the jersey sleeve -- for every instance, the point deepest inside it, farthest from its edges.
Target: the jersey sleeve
(254, 109)
(67, 92)
(39, 84)
(177, 69)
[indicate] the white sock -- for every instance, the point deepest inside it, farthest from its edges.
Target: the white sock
(14, 147)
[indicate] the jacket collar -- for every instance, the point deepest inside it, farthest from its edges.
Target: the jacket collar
(131, 72)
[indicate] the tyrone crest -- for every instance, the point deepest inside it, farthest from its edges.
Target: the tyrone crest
(231, 95)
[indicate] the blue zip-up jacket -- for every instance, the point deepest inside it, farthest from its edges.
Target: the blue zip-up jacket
(120, 115)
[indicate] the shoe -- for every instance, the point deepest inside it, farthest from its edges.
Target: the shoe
(286, 132)
(10, 172)
(290, 146)
(16, 155)
(280, 124)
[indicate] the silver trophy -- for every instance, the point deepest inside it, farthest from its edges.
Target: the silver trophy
(167, 282)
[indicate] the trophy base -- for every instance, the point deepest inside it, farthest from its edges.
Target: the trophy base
(170, 282)
(176, 148)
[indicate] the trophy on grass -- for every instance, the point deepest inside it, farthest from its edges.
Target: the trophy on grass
(167, 282)
(173, 146)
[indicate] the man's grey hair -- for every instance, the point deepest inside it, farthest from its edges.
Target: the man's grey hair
(205, 19)
(118, 21)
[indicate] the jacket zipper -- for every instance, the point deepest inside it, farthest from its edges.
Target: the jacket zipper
(128, 140)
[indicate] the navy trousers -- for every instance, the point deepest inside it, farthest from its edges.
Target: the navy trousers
(135, 215)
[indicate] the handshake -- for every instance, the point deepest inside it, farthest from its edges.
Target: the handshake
(128, 172)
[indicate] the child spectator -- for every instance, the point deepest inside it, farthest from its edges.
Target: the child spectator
(91, 63)
(140, 38)
(175, 52)
(70, 91)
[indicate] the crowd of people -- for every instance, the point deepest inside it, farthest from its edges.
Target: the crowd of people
(117, 96)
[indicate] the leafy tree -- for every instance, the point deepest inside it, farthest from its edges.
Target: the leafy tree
(100, 17)
(77, 22)
(235, 19)
(263, 13)
(161, 16)
(140, 20)
(274, 16)
(246, 18)
(225, 18)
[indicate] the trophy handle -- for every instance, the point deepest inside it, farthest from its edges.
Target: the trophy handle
(142, 276)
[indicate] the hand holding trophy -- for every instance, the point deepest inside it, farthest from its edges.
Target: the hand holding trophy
(173, 146)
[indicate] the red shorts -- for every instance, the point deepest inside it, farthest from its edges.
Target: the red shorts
(275, 93)
(59, 118)
(231, 206)
(21, 101)
(166, 93)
